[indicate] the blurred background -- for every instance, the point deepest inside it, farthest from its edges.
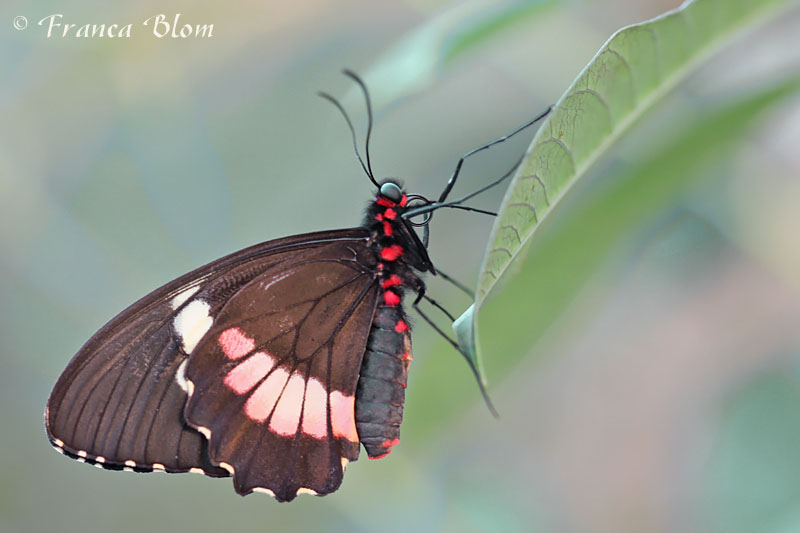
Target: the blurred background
(655, 390)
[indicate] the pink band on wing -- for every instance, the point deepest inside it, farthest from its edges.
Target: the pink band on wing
(286, 417)
(259, 405)
(235, 343)
(315, 410)
(249, 372)
(343, 416)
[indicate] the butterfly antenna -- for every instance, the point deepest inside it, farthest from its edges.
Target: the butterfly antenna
(353, 76)
(335, 102)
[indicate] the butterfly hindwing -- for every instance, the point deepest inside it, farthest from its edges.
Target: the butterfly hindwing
(272, 384)
(118, 404)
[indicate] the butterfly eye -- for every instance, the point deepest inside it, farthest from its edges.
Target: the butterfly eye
(391, 191)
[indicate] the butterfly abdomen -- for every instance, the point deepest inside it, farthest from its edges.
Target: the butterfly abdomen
(381, 386)
(384, 368)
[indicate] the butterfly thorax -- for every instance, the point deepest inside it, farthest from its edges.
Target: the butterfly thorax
(393, 237)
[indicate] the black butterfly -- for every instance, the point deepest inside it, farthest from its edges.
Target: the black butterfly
(271, 365)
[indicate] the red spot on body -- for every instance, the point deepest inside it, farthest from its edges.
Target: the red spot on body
(407, 357)
(403, 200)
(389, 443)
(390, 253)
(378, 217)
(390, 214)
(393, 280)
(391, 298)
(235, 343)
(401, 326)
(387, 229)
(385, 202)
(381, 456)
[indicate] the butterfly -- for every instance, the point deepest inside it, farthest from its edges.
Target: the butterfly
(272, 365)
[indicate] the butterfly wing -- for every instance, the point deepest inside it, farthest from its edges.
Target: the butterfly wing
(118, 404)
(272, 385)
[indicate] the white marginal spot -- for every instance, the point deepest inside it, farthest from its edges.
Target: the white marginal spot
(131, 463)
(345, 461)
(97, 465)
(80, 459)
(100, 459)
(180, 298)
(205, 431)
(127, 469)
(192, 322)
(159, 467)
(180, 377)
(81, 453)
(196, 471)
(263, 490)
(304, 490)
(59, 450)
(58, 442)
(227, 467)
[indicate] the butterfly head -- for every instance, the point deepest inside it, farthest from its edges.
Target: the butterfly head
(393, 192)
(391, 195)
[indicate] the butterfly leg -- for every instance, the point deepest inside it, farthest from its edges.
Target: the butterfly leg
(420, 296)
(455, 283)
(439, 306)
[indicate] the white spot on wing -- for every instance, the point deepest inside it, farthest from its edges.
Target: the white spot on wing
(205, 431)
(345, 461)
(127, 469)
(81, 453)
(196, 471)
(304, 490)
(58, 442)
(191, 323)
(180, 376)
(100, 459)
(59, 450)
(263, 490)
(180, 298)
(159, 467)
(130, 463)
(80, 459)
(227, 467)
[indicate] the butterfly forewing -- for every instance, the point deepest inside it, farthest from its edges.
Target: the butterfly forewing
(119, 404)
(272, 384)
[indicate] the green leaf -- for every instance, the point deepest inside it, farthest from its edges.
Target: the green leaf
(628, 76)
(599, 224)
